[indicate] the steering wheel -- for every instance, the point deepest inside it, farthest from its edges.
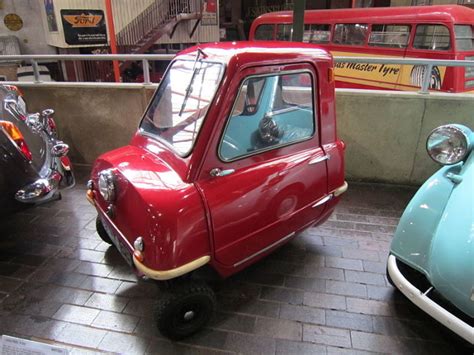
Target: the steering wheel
(268, 131)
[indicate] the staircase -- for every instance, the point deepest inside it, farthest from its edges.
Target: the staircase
(160, 18)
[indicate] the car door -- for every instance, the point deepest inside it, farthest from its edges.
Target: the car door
(267, 179)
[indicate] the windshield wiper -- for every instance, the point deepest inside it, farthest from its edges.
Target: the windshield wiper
(189, 88)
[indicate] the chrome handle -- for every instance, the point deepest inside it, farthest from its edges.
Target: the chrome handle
(318, 159)
(216, 172)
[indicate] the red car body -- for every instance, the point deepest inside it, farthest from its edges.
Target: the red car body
(188, 216)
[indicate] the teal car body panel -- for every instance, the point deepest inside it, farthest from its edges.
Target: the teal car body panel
(435, 235)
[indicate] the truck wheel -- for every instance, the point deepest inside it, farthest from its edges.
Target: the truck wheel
(185, 310)
(101, 231)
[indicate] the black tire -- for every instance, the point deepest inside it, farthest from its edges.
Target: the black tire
(185, 310)
(101, 231)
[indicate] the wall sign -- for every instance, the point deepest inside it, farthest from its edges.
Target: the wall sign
(209, 13)
(84, 27)
(13, 22)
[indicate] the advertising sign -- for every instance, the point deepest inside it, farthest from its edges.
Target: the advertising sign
(209, 13)
(388, 76)
(84, 27)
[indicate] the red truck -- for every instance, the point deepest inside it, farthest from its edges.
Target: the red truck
(236, 154)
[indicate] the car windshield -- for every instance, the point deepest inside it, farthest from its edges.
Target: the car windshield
(180, 104)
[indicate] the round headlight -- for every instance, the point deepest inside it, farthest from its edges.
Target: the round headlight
(106, 185)
(447, 144)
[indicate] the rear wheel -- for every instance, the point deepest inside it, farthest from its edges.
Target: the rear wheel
(101, 231)
(185, 310)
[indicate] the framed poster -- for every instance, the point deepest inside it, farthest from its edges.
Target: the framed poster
(209, 13)
(86, 27)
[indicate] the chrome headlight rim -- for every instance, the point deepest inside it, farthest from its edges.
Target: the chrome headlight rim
(457, 153)
(106, 185)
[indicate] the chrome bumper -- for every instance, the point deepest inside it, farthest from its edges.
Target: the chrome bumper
(420, 299)
(59, 175)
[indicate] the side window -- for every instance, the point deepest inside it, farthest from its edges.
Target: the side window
(316, 33)
(434, 37)
(264, 33)
(269, 112)
(284, 32)
(464, 37)
(354, 34)
(393, 36)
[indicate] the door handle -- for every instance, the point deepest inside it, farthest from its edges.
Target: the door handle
(318, 159)
(216, 172)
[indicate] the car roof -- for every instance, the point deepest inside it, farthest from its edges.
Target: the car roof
(247, 52)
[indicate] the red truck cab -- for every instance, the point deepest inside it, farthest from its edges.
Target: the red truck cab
(237, 152)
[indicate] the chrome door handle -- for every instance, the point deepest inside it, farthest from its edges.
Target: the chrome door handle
(216, 172)
(318, 159)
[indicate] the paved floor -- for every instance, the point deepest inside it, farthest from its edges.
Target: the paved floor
(324, 292)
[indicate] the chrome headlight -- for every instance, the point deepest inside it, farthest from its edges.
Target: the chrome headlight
(107, 184)
(448, 144)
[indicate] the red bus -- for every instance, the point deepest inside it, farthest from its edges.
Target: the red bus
(431, 32)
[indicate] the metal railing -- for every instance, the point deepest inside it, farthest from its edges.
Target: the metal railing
(427, 64)
(33, 60)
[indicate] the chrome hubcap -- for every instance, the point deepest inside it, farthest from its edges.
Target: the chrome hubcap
(189, 315)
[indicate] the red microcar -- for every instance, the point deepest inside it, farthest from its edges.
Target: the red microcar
(236, 153)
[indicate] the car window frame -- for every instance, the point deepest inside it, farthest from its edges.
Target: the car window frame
(314, 79)
(165, 143)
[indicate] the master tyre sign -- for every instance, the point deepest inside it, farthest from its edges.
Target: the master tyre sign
(84, 27)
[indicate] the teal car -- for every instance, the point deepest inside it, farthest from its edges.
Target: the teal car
(431, 258)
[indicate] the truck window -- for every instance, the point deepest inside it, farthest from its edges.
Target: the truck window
(354, 34)
(464, 37)
(178, 108)
(434, 37)
(393, 36)
(282, 115)
(284, 32)
(264, 33)
(316, 33)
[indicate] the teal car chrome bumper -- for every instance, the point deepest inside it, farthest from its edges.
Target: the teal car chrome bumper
(426, 304)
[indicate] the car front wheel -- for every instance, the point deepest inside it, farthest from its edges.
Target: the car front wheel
(185, 309)
(101, 231)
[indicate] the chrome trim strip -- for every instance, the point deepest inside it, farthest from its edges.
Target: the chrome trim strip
(323, 201)
(446, 318)
(319, 159)
(264, 249)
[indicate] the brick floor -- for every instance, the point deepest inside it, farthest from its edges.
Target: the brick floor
(323, 293)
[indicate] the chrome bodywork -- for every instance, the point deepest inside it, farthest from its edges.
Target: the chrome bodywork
(38, 179)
